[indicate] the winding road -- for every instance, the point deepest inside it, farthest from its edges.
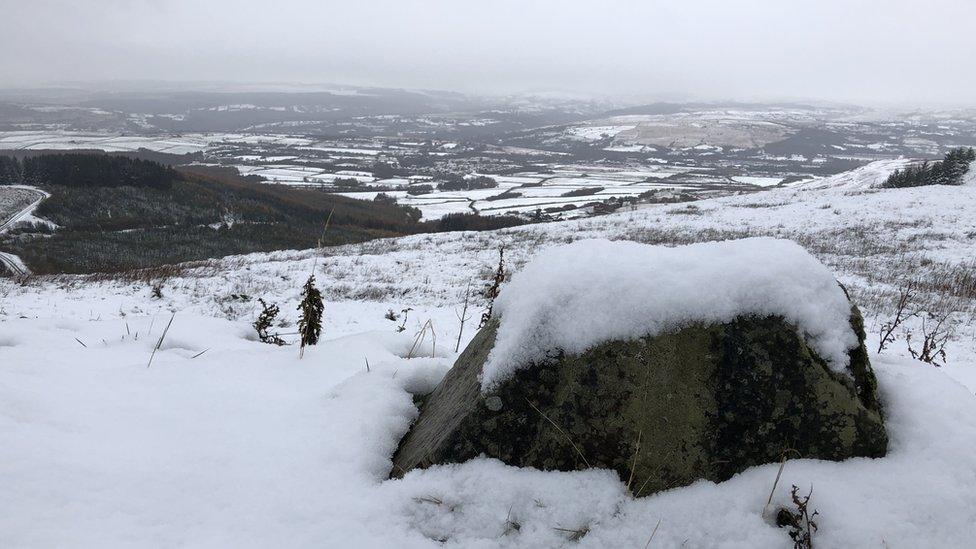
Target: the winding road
(11, 261)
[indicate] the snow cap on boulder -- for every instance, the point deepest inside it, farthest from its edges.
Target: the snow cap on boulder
(576, 296)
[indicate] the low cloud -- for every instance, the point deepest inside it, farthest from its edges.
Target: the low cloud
(871, 52)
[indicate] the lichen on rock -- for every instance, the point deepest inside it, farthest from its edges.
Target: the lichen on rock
(705, 401)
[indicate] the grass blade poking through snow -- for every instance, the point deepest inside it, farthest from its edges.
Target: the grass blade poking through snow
(779, 473)
(161, 338)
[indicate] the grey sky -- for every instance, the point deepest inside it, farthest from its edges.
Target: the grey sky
(868, 51)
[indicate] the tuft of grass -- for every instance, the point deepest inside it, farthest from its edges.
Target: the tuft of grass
(162, 337)
(575, 534)
(779, 473)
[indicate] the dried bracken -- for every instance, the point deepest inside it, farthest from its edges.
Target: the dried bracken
(800, 522)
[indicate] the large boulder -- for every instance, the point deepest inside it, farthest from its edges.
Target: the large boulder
(700, 402)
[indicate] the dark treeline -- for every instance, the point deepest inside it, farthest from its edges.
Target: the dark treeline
(583, 191)
(85, 170)
(949, 171)
(458, 183)
(473, 222)
(204, 212)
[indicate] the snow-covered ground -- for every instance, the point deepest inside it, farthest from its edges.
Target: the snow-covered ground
(246, 445)
(531, 191)
(866, 177)
(722, 127)
(251, 155)
(175, 144)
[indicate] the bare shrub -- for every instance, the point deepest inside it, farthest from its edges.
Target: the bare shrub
(393, 317)
(463, 316)
(799, 521)
(428, 327)
(902, 313)
(493, 287)
(935, 334)
(687, 210)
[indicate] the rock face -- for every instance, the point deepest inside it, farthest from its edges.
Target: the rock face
(704, 402)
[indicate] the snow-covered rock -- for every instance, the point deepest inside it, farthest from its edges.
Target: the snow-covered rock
(704, 401)
(576, 296)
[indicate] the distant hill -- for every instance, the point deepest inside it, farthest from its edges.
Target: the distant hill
(115, 213)
(142, 214)
(673, 108)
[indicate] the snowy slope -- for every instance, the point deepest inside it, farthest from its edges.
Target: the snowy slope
(247, 446)
(970, 177)
(865, 177)
(872, 239)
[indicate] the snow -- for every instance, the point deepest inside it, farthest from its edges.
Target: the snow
(758, 181)
(366, 152)
(577, 296)
(174, 144)
(29, 140)
(626, 148)
(598, 132)
(915, 497)
(970, 177)
(244, 446)
(865, 177)
(248, 446)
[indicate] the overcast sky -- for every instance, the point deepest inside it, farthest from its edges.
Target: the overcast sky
(870, 51)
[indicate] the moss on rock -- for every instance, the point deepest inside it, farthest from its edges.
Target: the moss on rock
(703, 402)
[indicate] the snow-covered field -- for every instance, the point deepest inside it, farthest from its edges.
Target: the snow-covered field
(722, 127)
(246, 445)
(253, 155)
(531, 191)
(181, 144)
(32, 140)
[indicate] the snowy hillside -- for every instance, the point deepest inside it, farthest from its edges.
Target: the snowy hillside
(225, 441)
(970, 177)
(865, 177)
